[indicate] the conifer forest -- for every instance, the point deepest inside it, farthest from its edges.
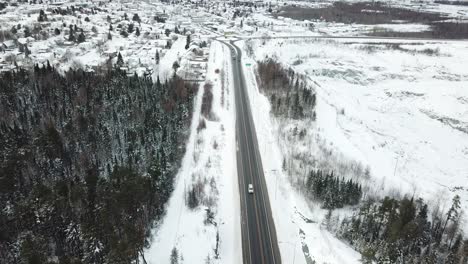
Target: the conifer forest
(87, 162)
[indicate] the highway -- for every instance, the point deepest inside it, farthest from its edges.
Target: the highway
(259, 242)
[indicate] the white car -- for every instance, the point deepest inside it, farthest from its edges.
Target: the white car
(250, 188)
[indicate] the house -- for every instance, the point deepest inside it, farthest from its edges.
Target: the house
(23, 44)
(161, 43)
(112, 53)
(248, 29)
(8, 45)
(199, 20)
(22, 41)
(57, 2)
(68, 43)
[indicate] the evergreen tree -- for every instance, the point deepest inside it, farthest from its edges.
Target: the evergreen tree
(123, 33)
(120, 61)
(333, 191)
(93, 215)
(42, 16)
(71, 36)
(130, 28)
(168, 44)
(174, 256)
(27, 32)
(187, 44)
(81, 37)
(136, 18)
(175, 66)
(452, 214)
(27, 52)
(398, 231)
(216, 251)
(137, 32)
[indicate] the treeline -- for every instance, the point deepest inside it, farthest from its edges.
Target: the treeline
(289, 96)
(403, 231)
(444, 29)
(374, 13)
(332, 191)
(449, 2)
(87, 162)
(369, 13)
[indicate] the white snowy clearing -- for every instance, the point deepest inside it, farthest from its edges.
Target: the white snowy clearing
(209, 164)
(164, 69)
(399, 108)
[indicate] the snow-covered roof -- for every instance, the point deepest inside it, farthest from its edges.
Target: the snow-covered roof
(9, 44)
(24, 41)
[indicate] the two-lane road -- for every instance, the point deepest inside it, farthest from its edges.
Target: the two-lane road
(259, 242)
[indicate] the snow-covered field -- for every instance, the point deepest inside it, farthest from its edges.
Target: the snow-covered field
(270, 27)
(341, 29)
(276, 24)
(209, 160)
(455, 11)
(301, 236)
(399, 108)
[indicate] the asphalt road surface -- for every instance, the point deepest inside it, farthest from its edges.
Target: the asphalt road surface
(259, 242)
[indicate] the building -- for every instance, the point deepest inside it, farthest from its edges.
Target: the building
(8, 45)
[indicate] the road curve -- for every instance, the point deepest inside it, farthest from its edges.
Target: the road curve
(259, 242)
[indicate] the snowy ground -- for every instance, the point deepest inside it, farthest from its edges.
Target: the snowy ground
(341, 29)
(301, 236)
(263, 23)
(266, 25)
(210, 160)
(164, 69)
(399, 108)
